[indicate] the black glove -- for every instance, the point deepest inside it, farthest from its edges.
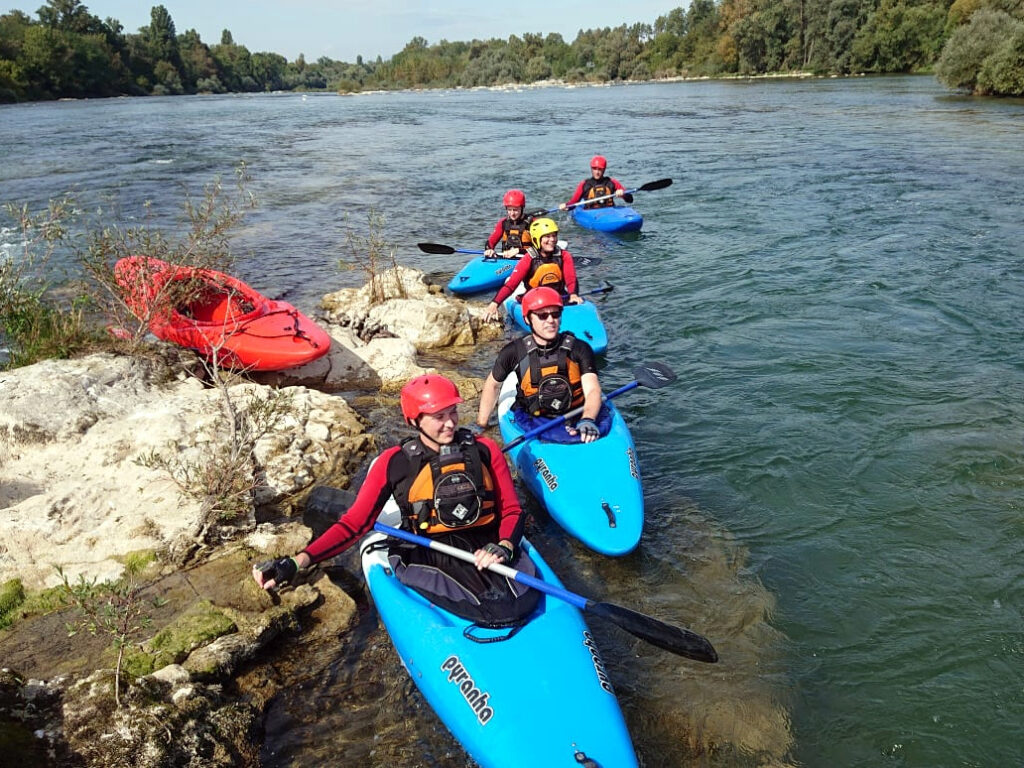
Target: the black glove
(587, 428)
(281, 571)
(500, 550)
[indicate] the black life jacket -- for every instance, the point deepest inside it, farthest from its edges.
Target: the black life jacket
(550, 384)
(598, 188)
(546, 271)
(444, 491)
(515, 235)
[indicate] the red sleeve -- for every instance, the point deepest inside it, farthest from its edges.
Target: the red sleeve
(506, 500)
(514, 279)
(358, 520)
(577, 194)
(617, 185)
(569, 273)
(496, 234)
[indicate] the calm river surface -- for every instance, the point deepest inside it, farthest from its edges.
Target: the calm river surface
(835, 484)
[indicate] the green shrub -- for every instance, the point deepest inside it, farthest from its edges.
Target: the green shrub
(12, 595)
(969, 46)
(1002, 73)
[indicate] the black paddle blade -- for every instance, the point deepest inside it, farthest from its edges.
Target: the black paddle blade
(650, 186)
(587, 261)
(537, 214)
(654, 375)
(677, 640)
(435, 248)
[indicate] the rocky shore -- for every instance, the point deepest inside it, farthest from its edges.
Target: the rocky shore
(101, 480)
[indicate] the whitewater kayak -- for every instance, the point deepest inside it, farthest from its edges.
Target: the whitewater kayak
(592, 490)
(482, 274)
(540, 697)
(220, 317)
(583, 320)
(612, 218)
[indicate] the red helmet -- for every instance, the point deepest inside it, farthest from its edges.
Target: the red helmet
(514, 197)
(429, 393)
(598, 161)
(538, 298)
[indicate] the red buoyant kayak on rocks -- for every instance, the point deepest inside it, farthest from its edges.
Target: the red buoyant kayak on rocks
(223, 319)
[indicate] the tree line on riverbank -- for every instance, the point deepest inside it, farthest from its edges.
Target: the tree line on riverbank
(977, 45)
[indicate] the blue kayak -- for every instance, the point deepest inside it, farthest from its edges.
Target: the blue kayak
(539, 698)
(482, 274)
(613, 218)
(592, 490)
(582, 319)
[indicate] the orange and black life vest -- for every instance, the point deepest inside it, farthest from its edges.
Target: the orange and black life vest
(515, 235)
(550, 383)
(546, 270)
(452, 489)
(598, 188)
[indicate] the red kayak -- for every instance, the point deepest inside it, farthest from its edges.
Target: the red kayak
(223, 318)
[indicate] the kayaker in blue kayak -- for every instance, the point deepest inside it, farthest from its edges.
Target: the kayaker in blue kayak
(513, 231)
(557, 372)
(598, 185)
(449, 485)
(544, 263)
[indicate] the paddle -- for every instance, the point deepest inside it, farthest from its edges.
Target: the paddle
(651, 375)
(682, 642)
(447, 250)
(606, 288)
(650, 186)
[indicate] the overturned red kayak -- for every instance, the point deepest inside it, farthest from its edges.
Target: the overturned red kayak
(223, 319)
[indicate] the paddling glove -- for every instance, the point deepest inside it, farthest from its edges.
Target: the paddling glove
(587, 428)
(492, 548)
(282, 570)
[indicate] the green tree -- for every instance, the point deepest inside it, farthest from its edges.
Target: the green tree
(161, 42)
(900, 36)
(196, 62)
(70, 16)
(1002, 73)
(268, 70)
(968, 48)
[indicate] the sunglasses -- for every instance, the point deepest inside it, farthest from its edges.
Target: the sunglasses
(556, 313)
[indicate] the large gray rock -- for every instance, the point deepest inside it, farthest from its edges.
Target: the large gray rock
(402, 304)
(75, 440)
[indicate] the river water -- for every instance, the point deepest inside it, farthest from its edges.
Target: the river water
(834, 484)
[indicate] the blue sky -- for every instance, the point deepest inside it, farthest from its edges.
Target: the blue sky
(343, 29)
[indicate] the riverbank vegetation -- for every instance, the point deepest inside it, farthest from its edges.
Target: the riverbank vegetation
(976, 45)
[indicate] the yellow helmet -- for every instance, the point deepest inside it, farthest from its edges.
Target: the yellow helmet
(541, 227)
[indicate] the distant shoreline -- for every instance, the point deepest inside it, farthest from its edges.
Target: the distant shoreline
(512, 86)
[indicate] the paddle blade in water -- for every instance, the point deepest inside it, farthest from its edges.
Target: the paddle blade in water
(650, 186)
(435, 248)
(654, 375)
(677, 640)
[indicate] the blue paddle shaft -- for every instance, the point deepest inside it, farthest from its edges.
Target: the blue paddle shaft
(566, 416)
(503, 570)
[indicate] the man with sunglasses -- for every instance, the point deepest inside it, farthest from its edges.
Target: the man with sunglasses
(556, 373)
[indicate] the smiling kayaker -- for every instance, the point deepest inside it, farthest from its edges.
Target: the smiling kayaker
(544, 263)
(513, 231)
(557, 373)
(450, 485)
(598, 185)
